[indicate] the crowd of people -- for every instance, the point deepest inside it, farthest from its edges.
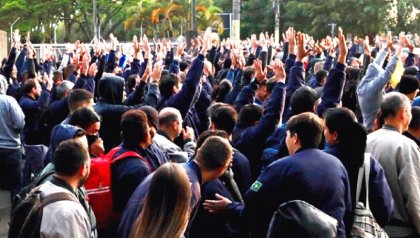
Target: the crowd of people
(208, 140)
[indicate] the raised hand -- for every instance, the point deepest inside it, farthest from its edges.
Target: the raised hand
(279, 71)
(146, 47)
(260, 74)
(301, 51)
(366, 46)
(291, 38)
(342, 46)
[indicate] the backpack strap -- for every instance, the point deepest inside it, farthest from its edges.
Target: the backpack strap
(55, 197)
(129, 154)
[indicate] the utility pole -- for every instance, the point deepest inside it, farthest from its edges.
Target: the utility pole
(277, 21)
(193, 16)
(95, 20)
(236, 22)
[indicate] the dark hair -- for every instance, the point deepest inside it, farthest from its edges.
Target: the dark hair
(308, 127)
(249, 114)
(352, 136)
(320, 75)
(131, 81)
(69, 156)
(392, 103)
(224, 118)
(77, 97)
(415, 120)
(84, 117)
(408, 84)
(214, 153)
(134, 127)
(247, 74)
(28, 85)
(271, 83)
(303, 100)
(206, 134)
(167, 83)
(57, 75)
(220, 91)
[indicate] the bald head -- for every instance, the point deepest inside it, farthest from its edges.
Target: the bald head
(168, 115)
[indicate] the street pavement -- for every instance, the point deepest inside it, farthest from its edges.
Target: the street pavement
(5, 207)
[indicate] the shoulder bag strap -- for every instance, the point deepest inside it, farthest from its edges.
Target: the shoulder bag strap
(367, 172)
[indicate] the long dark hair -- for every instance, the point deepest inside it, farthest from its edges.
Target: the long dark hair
(351, 135)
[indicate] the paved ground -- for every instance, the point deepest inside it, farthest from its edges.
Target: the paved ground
(4, 213)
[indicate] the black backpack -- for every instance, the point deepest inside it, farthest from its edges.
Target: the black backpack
(300, 219)
(26, 219)
(20, 197)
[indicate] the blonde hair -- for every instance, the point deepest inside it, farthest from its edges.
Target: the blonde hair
(166, 208)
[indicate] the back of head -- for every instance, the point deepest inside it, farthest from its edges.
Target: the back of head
(224, 118)
(214, 153)
(110, 89)
(167, 83)
(63, 132)
(415, 120)
(134, 128)
(152, 115)
(351, 135)
(248, 74)
(249, 115)
(168, 115)
(220, 91)
(321, 75)
(166, 209)
(206, 134)
(411, 70)
(78, 98)
(408, 84)
(84, 117)
(392, 103)
(57, 76)
(318, 66)
(64, 88)
(303, 100)
(69, 156)
(308, 127)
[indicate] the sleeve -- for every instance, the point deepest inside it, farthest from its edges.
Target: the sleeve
(110, 65)
(136, 96)
(296, 78)
(333, 89)
(18, 117)
(246, 96)
(409, 180)
(328, 63)
(7, 71)
(409, 61)
(20, 60)
(152, 96)
(285, 52)
(135, 67)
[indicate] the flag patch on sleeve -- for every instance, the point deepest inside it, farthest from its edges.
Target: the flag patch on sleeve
(256, 186)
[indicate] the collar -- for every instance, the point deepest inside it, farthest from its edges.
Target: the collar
(389, 127)
(61, 183)
(194, 167)
(164, 134)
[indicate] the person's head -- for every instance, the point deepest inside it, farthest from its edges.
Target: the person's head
(206, 134)
(247, 74)
(303, 131)
(343, 130)
(132, 81)
(111, 89)
(79, 98)
(64, 89)
(396, 110)
(250, 115)
(57, 77)
(304, 100)
(220, 91)
(318, 66)
(14, 74)
(183, 66)
(32, 88)
(170, 122)
(224, 118)
(261, 93)
(169, 85)
(71, 160)
(87, 119)
(411, 70)
(152, 118)
(166, 208)
(214, 157)
(414, 126)
(321, 76)
(135, 131)
(354, 62)
(409, 85)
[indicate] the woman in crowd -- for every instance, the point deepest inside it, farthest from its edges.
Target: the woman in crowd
(347, 141)
(166, 207)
